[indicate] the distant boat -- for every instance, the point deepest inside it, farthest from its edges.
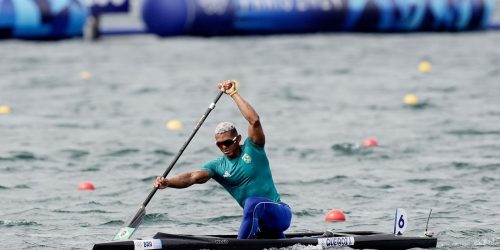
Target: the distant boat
(30, 19)
(52, 19)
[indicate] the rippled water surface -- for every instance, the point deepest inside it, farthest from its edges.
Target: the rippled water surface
(97, 112)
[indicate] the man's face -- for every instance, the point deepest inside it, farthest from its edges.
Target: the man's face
(228, 143)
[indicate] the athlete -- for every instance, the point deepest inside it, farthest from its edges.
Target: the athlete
(244, 171)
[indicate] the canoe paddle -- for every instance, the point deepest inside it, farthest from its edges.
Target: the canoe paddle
(133, 223)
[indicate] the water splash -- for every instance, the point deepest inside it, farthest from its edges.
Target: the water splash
(224, 218)
(92, 211)
(16, 223)
(113, 223)
(123, 152)
(348, 149)
(473, 132)
(22, 156)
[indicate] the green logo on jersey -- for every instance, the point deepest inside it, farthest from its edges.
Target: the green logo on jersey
(246, 158)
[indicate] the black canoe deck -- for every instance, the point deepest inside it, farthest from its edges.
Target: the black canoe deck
(353, 239)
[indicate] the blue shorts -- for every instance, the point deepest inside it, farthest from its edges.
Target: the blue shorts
(264, 218)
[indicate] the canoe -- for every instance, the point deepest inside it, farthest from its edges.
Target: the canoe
(323, 240)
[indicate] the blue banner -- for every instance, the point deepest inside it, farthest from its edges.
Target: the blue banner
(234, 17)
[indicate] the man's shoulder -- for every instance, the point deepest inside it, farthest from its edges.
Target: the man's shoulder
(212, 164)
(215, 162)
(249, 142)
(219, 162)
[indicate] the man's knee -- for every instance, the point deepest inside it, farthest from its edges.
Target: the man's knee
(277, 217)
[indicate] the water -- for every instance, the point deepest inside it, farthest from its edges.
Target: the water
(318, 97)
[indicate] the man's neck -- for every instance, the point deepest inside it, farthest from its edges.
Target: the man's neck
(236, 155)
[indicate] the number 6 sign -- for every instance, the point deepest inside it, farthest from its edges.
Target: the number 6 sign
(400, 221)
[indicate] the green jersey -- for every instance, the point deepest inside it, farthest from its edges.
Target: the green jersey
(248, 175)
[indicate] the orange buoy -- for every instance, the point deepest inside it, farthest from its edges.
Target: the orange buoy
(86, 185)
(335, 215)
(370, 142)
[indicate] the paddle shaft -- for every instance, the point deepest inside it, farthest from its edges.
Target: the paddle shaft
(200, 122)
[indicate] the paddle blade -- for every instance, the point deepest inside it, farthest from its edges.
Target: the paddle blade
(126, 232)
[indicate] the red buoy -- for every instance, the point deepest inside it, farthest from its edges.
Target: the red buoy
(86, 185)
(370, 142)
(335, 215)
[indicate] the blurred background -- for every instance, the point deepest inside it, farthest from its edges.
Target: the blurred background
(366, 108)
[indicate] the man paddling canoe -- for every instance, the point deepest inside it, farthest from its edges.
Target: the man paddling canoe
(243, 170)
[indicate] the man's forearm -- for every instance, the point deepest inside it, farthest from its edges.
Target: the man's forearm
(181, 181)
(246, 109)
